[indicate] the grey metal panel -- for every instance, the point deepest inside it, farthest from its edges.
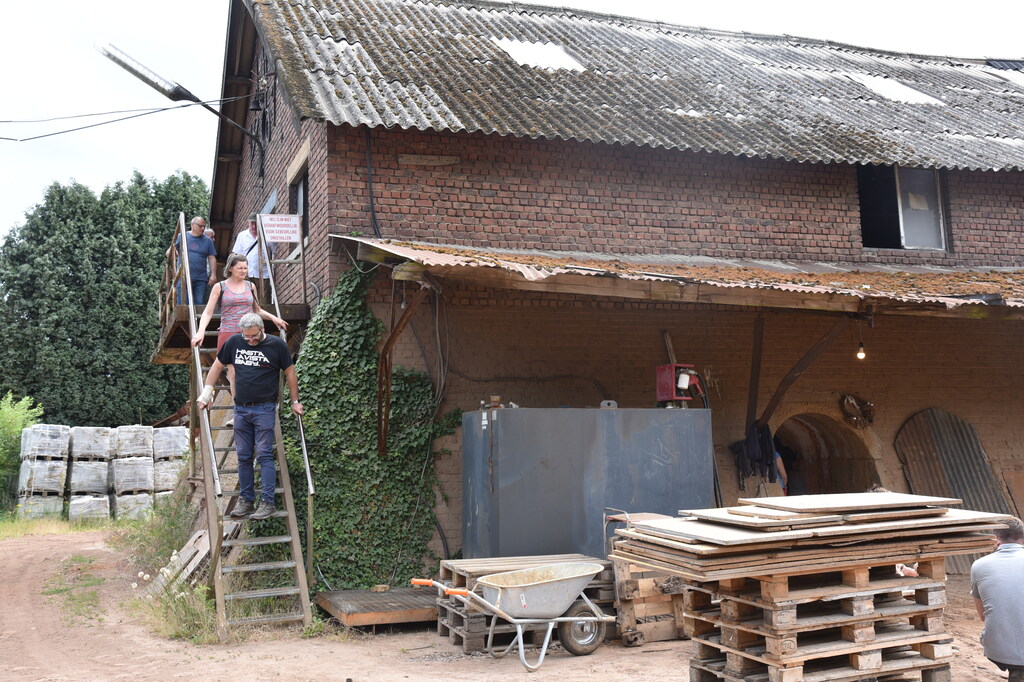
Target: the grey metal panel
(555, 470)
(436, 65)
(943, 455)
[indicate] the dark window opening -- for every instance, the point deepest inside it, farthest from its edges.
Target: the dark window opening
(879, 210)
(298, 200)
(901, 208)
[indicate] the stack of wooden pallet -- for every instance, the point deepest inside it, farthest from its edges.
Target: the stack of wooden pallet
(806, 588)
(467, 627)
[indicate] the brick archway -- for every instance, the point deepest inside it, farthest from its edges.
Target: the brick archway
(824, 456)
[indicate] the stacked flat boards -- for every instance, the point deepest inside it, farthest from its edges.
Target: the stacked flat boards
(782, 589)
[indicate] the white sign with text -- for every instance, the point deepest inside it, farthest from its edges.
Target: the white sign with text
(280, 227)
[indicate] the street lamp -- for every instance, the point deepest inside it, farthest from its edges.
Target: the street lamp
(171, 90)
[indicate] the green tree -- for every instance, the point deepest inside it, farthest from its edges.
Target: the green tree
(78, 285)
(15, 415)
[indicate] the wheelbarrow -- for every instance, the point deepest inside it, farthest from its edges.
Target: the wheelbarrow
(551, 595)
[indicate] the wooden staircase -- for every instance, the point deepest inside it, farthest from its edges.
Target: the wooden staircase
(286, 600)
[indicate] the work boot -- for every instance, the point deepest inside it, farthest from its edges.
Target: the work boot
(242, 509)
(265, 511)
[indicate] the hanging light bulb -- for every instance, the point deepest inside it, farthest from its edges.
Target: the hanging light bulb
(860, 351)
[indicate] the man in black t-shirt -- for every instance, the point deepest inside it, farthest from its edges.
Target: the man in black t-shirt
(258, 360)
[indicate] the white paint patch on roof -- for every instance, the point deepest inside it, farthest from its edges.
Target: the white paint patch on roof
(1015, 77)
(539, 55)
(893, 89)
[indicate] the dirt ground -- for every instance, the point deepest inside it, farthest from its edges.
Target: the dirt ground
(49, 637)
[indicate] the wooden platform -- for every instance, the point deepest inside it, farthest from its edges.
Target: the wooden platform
(397, 605)
(175, 347)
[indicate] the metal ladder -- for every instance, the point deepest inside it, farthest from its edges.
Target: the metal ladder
(212, 460)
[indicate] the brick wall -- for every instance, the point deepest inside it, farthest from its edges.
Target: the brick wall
(520, 193)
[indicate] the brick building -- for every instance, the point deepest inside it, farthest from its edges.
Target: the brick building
(580, 184)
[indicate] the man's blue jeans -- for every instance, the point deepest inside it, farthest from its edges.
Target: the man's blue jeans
(254, 438)
(200, 289)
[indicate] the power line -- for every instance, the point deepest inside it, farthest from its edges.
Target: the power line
(145, 112)
(120, 111)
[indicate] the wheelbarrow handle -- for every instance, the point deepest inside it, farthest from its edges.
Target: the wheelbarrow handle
(426, 582)
(460, 591)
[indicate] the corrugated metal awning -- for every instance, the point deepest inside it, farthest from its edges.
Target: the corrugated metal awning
(989, 293)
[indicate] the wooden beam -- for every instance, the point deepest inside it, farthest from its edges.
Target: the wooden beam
(802, 365)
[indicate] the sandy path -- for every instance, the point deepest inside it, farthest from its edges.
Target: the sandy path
(39, 642)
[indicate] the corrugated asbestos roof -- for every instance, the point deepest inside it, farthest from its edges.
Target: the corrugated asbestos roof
(438, 65)
(916, 285)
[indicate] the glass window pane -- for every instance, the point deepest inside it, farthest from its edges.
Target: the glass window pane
(920, 209)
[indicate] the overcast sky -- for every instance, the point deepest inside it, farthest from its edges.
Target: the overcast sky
(51, 69)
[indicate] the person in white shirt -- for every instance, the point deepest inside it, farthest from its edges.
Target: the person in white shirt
(246, 244)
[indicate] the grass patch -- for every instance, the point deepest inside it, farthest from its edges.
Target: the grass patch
(151, 540)
(13, 527)
(185, 613)
(72, 586)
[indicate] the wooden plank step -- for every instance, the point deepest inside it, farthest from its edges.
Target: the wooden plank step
(251, 568)
(252, 542)
(236, 493)
(271, 619)
(261, 594)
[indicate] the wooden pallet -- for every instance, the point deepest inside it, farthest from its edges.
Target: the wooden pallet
(649, 606)
(363, 607)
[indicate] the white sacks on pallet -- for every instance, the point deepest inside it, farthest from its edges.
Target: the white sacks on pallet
(132, 474)
(170, 442)
(82, 507)
(91, 442)
(42, 476)
(162, 498)
(132, 506)
(166, 473)
(40, 507)
(88, 477)
(134, 441)
(45, 441)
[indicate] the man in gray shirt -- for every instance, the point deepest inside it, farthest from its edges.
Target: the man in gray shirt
(996, 582)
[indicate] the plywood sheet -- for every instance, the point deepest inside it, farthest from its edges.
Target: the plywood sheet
(840, 502)
(725, 516)
(730, 535)
(765, 513)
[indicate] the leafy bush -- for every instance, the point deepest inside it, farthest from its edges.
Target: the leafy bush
(14, 417)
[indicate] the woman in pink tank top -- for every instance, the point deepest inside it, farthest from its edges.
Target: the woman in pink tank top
(237, 297)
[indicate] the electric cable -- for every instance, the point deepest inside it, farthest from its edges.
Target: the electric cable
(103, 123)
(118, 111)
(369, 184)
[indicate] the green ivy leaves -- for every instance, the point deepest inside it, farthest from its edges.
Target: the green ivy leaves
(373, 516)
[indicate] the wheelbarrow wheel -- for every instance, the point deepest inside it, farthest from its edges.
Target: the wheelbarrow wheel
(581, 638)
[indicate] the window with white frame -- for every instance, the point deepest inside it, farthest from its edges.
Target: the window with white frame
(901, 208)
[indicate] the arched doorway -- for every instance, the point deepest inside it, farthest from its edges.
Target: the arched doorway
(824, 456)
